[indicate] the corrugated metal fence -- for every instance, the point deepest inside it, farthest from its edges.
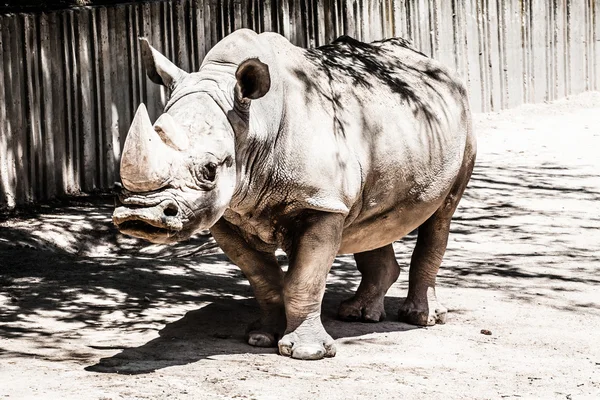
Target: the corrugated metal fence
(71, 80)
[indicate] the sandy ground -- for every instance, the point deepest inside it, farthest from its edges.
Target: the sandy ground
(88, 314)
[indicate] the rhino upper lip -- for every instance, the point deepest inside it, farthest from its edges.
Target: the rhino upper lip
(158, 218)
(141, 226)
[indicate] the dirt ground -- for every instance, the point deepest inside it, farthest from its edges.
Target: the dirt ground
(88, 314)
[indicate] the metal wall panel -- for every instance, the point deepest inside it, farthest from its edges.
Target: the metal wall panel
(71, 80)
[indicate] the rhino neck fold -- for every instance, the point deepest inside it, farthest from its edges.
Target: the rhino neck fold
(255, 147)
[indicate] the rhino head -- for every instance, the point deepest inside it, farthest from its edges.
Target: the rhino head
(179, 174)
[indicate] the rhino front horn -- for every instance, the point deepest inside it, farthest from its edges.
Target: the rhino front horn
(146, 160)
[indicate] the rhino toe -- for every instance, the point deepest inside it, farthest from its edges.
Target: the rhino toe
(308, 352)
(291, 345)
(354, 309)
(429, 315)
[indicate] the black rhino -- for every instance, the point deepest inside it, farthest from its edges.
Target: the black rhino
(335, 150)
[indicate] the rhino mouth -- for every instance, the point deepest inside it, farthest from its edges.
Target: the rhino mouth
(160, 223)
(142, 228)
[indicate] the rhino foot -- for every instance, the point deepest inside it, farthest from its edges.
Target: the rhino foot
(360, 309)
(264, 334)
(262, 339)
(309, 341)
(422, 314)
(379, 270)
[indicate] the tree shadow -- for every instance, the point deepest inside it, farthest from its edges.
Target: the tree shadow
(349, 71)
(528, 230)
(62, 305)
(390, 63)
(83, 226)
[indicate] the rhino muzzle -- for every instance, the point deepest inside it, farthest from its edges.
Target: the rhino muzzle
(159, 223)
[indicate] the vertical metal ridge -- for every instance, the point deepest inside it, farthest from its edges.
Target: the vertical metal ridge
(525, 47)
(434, 28)
(96, 94)
(46, 105)
(594, 42)
(530, 54)
(7, 195)
(594, 51)
(548, 44)
(19, 91)
(30, 103)
(588, 40)
(502, 30)
(68, 118)
(45, 149)
(568, 46)
(483, 66)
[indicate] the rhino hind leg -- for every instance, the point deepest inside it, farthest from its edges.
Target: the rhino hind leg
(421, 306)
(379, 270)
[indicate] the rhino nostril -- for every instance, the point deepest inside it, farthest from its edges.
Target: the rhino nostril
(171, 210)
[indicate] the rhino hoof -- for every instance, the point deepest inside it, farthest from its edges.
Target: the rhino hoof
(261, 339)
(434, 314)
(291, 346)
(354, 310)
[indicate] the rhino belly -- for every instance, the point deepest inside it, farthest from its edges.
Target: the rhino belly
(378, 229)
(399, 200)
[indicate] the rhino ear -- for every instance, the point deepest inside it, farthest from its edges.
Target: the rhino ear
(253, 79)
(158, 67)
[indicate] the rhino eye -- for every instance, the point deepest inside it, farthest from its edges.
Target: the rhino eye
(210, 171)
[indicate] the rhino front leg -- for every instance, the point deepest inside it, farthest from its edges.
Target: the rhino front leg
(379, 270)
(266, 278)
(313, 248)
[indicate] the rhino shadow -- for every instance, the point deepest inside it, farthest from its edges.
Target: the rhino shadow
(219, 329)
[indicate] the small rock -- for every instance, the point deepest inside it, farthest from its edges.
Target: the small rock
(486, 332)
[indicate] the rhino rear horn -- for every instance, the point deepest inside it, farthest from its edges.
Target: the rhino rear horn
(159, 68)
(253, 79)
(171, 133)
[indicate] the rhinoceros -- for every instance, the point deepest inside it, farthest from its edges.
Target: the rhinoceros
(342, 149)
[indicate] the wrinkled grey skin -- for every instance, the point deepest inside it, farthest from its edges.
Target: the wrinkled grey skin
(341, 149)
